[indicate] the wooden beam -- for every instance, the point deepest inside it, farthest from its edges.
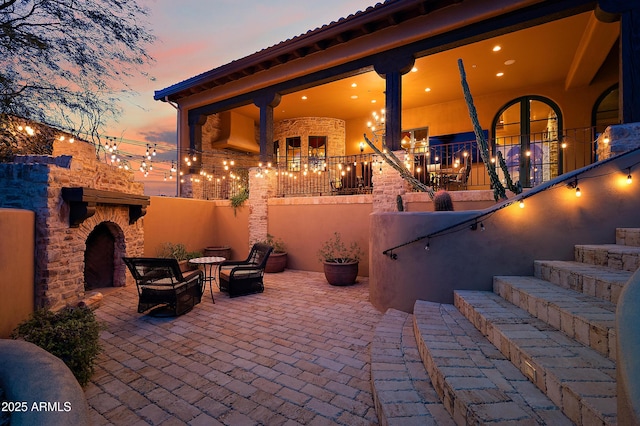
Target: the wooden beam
(83, 201)
(596, 43)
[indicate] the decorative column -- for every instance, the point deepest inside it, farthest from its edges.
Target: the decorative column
(392, 69)
(387, 186)
(262, 186)
(266, 104)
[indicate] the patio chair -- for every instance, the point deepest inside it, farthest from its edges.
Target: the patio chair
(240, 277)
(459, 180)
(162, 287)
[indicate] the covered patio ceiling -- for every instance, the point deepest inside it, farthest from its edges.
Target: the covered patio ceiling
(568, 51)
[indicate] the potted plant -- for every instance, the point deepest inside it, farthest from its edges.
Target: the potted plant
(340, 262)
(277, 260)
(179, 252)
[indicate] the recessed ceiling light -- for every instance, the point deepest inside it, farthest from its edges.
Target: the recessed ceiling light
(510, 62)
(497, 48)
(304, 97)
(373, 101)
(354, 84)
(500, 74)
(354, 96)
(414, 69)
(428, 89)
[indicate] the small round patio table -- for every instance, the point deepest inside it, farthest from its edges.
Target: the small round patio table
(210, 266)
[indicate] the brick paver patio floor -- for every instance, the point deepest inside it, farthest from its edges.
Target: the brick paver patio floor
(296, 354)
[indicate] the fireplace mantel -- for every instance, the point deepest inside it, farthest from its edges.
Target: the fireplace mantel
(83, 201)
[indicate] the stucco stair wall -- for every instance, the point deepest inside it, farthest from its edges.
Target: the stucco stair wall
(537, 350)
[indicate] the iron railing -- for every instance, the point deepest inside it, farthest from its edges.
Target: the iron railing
(533, 158)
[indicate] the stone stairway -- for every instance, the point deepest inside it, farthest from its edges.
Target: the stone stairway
(536, 350)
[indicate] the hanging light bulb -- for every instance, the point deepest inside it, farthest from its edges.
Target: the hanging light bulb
(578, 192)
(629, 178)
(522, 204)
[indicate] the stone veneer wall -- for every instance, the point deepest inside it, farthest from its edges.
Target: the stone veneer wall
(334, 129)
(387, 185)
(621, 138)
(263, 187)
(35, 182)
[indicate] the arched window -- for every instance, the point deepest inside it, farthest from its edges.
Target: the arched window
(606, 110)
(526, 131)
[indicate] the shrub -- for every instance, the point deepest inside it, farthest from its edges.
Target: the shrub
(71, 334)
(334, 250)
(277, 244)
(177, 251)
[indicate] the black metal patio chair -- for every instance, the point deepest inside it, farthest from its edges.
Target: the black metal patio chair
(240, 277)
(162, 287)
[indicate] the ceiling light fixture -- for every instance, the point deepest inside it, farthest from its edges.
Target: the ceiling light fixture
(428, 89)
(497, 48)
(500, 74)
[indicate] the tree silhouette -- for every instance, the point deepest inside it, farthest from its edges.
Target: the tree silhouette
(66, 62)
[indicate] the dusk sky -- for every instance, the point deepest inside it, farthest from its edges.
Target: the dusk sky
(194, 36)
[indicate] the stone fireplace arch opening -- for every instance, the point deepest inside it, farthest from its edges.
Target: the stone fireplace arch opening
(103, 266)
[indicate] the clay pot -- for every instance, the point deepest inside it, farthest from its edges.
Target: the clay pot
(276, 262)
(341, 274)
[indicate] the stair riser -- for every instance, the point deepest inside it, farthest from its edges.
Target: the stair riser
(628, 237)
(598, 338)
(571, 405)
(603, 257)
(605, 290)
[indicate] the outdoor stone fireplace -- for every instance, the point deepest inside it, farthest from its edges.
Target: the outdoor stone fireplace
(88, 216)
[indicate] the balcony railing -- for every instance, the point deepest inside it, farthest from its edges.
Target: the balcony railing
(532, 158)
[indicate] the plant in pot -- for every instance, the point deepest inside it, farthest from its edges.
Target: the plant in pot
(340, 262)
(179, 252)
(277, 260)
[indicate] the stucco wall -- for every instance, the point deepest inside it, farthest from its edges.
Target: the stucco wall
(17, 228)
(548, 227)
(305, 223)
(196, 224)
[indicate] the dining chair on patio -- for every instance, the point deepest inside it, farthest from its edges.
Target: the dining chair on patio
(459, 180)
(240, 277)
(162, 287)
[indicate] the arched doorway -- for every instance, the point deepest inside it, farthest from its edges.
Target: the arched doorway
(526, 131)
(99, 258)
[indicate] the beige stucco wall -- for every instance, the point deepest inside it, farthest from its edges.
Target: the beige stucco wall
(17, 248)
(305, 223)
(548, 227)
(197, 224)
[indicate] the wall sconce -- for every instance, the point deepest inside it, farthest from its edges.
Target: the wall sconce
(629, 178)
(361, 147)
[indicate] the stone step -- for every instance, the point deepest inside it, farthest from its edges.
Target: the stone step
(402, 390)
(616, 256)
(628, 236)
(598, 281)
(579, 380)
(477, 384)
(587, 319)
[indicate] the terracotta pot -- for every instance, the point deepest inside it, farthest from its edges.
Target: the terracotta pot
(341, 273)
(276, 262)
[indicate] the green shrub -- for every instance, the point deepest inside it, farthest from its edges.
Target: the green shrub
(177, 251)
(71, 334)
